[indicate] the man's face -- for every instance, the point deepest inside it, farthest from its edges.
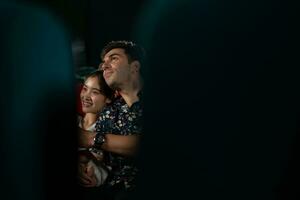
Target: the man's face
(116, 69)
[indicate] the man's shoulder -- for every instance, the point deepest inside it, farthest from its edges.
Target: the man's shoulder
(119, 105)
(116, 103)
(111, 107)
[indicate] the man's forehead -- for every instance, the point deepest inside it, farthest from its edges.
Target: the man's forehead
(118, 51)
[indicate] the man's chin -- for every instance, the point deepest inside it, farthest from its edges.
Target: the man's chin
(114, 86)
(108, 81)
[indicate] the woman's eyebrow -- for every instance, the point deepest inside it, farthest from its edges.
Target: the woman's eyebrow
(92, 88)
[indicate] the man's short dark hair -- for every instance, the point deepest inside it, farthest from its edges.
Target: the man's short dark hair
(132, 50)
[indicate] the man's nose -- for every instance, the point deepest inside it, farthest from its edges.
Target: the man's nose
(104, 66)
(100, 66)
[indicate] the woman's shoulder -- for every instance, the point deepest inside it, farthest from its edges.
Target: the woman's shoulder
(79, 120)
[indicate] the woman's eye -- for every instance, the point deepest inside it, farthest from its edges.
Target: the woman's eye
(95, 93)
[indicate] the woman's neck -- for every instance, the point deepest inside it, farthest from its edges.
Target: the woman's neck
(88, 120)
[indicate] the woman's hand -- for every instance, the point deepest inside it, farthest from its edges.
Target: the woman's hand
(86, 175)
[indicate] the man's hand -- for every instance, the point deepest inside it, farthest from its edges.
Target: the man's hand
(85, 138)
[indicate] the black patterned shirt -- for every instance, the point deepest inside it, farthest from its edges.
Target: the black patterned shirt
(120, 119)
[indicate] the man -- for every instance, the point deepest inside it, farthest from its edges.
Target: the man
(119, 125)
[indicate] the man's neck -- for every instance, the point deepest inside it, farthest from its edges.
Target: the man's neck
(130, 92)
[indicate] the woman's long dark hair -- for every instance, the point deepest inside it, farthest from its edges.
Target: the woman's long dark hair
(105, 89)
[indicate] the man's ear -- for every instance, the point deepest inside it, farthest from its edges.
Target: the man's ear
(136, 65)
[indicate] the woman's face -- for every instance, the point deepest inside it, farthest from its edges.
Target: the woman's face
(92, 100)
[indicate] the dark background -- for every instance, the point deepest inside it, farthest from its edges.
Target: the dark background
(94, 22)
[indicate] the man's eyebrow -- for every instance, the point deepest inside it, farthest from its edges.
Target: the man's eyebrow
(109, 56)
(114, 54)
(92, 88)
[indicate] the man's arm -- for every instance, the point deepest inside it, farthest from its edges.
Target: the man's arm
(125, 145)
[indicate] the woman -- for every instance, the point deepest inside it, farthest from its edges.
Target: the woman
(95, 94)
